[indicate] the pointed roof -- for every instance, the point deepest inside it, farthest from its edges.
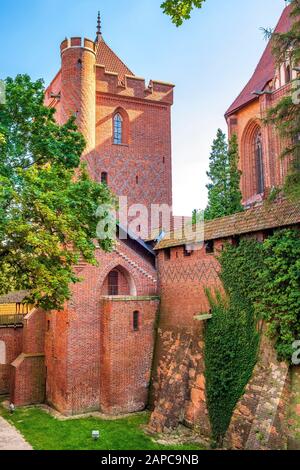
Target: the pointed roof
(105, 56)
(265, 69)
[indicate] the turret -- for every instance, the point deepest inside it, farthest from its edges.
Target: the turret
(78, 85)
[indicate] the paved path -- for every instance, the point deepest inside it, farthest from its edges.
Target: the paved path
(10, 438)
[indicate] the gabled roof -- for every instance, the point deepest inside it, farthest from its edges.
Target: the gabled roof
(268, 216)
(265, 70)
(105, 56)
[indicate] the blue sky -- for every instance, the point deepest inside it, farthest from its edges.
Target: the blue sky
(209, 58)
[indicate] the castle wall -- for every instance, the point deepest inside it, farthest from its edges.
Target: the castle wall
(13, 340)
(178, 391)
(28, 369)
(140, 169)
(75, 338)
(126, 354)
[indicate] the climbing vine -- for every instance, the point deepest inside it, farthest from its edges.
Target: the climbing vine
(231, 342)
(261, 282)
(278, 290)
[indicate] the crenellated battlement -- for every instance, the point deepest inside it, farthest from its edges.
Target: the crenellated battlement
(78, 42)
(133, 87)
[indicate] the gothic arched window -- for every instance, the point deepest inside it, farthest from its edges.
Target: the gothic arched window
(113, 283)
(118, 129)
(259, 162)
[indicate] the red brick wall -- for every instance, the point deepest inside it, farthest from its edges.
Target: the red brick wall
(74, 340)
(28, 369)
(146, 157)
(56, 358)
(78, 87)
(95, 95)
(245, 120)
(28, 380)
(13, 340)
(178, 392)
(126, 355)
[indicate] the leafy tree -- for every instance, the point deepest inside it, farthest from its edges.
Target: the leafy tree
(286, 114)
(218, 175)
(180, 10)
(224, 196)
(235, 195)
(278, 290)
(48, 203)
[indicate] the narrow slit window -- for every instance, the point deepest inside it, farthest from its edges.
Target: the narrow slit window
(136, 321)
(104, 177)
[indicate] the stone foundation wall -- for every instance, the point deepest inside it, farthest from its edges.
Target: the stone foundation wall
(260, 418)
(178, 389)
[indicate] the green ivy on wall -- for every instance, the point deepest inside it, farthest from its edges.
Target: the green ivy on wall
(231, 338)
(261, 282)
(278, 292)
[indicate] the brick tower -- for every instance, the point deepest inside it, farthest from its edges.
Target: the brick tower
(126, 124)
(99, 350)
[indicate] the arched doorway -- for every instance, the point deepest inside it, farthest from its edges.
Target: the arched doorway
(119, 282)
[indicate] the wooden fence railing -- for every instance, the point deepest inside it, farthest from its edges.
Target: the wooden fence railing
(11, 320)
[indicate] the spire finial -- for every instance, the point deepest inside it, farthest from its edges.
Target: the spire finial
(99, 32)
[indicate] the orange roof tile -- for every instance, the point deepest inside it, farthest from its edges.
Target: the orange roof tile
(267, 216)
(265, 69)
(105, 56)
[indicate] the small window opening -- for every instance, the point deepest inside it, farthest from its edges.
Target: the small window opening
(187, 252)
(210, 247)
(167, 254)
(113, 283)
(104, 177)
(236, 240)
(136, 321)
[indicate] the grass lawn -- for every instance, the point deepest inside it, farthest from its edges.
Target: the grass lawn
(44, 432)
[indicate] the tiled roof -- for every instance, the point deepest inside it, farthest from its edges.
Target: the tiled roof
(267, 216)
(265, 70)
(14, 297)
(105, 56)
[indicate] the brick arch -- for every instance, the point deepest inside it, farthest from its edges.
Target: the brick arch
(248, 159)
(2, 353)
(126, 284)
(133, 279)
(126, 124)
